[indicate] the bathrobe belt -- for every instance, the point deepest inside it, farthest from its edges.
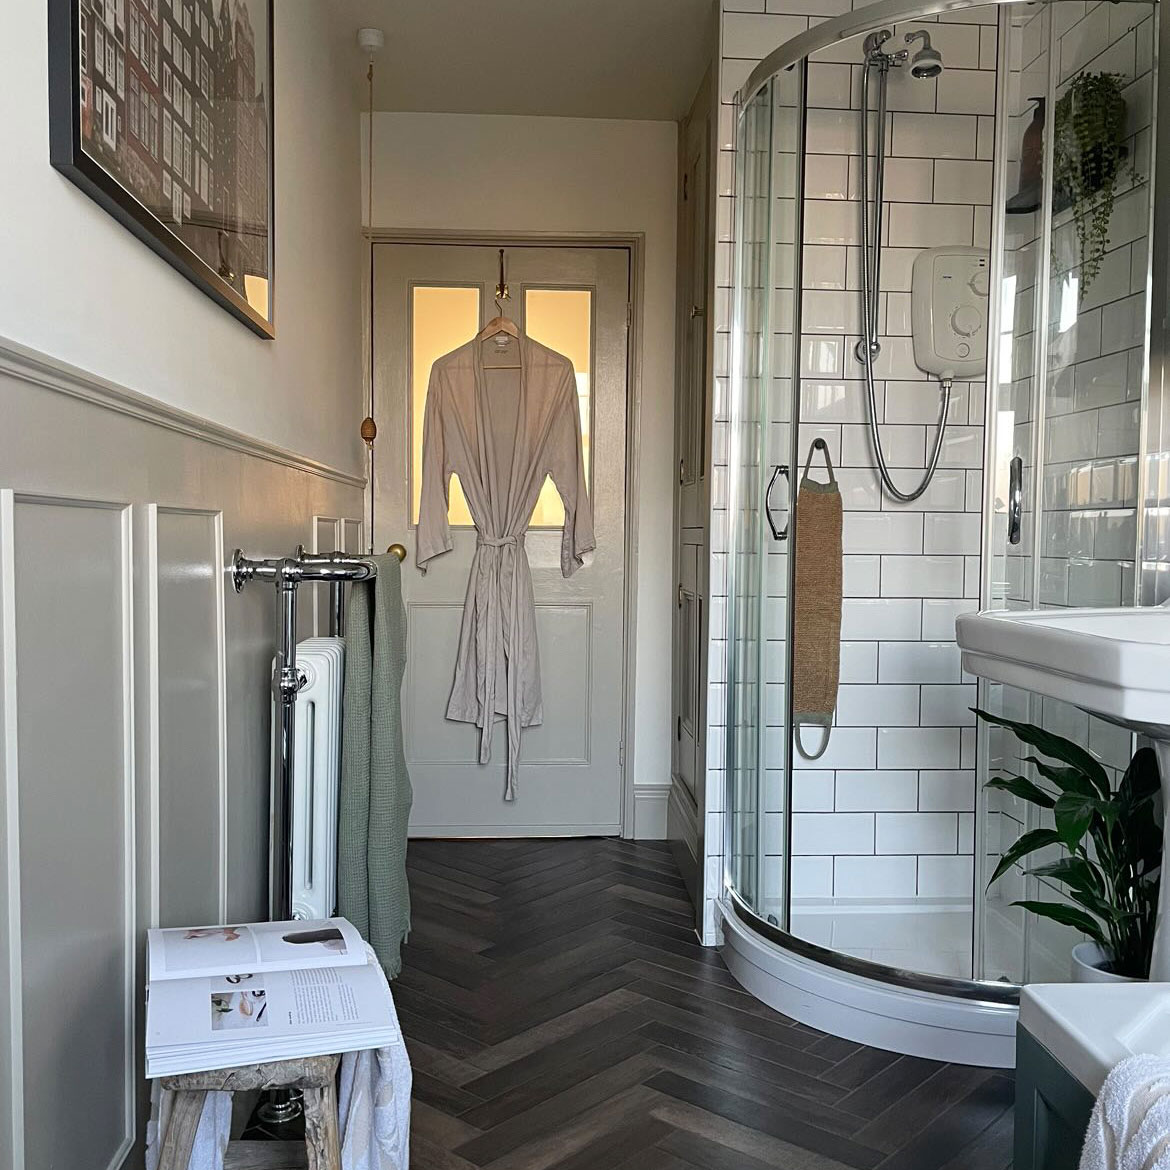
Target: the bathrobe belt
(497, 550)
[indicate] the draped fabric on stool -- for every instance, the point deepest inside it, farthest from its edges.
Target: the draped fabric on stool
(816, 631)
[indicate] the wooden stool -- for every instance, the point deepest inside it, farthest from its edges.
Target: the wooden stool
(315, 1076)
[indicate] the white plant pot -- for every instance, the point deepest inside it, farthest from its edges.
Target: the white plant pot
(1088, 959)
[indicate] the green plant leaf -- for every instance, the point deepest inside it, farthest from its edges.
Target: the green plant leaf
(1075, 872)
(1066, 779)
(1074, 813)
(1023, 845)
(1056, 747)
(1068, 916)
(1023, 788)
(1142, 780)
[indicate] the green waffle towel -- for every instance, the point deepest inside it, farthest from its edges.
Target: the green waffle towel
(374, 804)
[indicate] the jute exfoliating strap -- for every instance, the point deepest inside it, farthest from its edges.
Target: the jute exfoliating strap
(817, 613)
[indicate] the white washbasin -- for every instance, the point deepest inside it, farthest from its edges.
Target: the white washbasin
(1114, 663)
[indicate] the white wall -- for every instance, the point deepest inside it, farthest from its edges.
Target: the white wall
(78, 286)
(569, 175)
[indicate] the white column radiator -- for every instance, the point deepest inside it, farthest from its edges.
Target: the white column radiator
(316, 775)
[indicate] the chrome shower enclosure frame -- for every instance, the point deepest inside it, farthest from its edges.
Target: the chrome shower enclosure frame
(762, 944)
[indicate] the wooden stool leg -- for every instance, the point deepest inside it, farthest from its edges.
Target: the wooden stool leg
(180, 1136)
(322, 1140)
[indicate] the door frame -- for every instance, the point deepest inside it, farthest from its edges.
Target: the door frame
(635, 244)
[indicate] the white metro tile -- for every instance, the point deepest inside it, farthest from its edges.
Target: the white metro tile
(916, 833)
(946, 791)
(966, 91)
(824, 266)
(926, 225)
(829, 221)
(832, 833)
(862, 576)
(812, 877)
(826, 176)
(953, 532)
(829, 85)
(892, 620)
(913, 402)
(859, 662)
(948, 705)
(918, 747)
(922, 576)
(832, 132)
(934, 135)
(849, 747)
(827, 311)
(903, 446)
(877, 791)
(877, 706)
(921, 662)
(754, 34)
(966, 832)
(883, 532)
(812, 791)
(908, 180)
(962, 181)
(945, 877)
(875, 877)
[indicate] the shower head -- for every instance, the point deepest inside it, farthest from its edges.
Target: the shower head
(927, 62)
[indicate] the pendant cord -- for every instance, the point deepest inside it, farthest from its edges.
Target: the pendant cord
(369, 426)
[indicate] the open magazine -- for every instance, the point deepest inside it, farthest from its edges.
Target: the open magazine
(187, 951)
(203, 1014)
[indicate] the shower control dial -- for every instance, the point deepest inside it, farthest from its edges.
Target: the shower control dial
(979, 282)
(966, 320)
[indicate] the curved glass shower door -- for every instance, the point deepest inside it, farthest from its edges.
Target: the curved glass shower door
(763, 363)
(874, 856)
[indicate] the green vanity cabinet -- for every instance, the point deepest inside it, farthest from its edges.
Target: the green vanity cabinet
(1052, 1109)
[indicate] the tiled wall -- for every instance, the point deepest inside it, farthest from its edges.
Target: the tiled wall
(887, 812)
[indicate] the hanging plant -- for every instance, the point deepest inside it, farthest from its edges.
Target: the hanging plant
(1088, 150)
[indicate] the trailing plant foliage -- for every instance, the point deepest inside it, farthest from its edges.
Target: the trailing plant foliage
(1112, 843)
(1089, 148)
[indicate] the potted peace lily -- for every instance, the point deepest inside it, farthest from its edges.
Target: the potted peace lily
(1111, 842)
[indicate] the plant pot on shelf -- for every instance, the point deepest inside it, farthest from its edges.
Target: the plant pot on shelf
(1090, 963)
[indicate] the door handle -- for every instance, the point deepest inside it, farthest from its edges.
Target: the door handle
(1015, 498)
(781, 469)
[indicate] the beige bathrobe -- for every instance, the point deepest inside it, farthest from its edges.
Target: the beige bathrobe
(501, 431)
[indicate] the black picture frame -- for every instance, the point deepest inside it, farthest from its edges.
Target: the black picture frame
(237, 241)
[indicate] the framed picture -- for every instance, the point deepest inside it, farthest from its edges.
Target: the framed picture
(161, 110)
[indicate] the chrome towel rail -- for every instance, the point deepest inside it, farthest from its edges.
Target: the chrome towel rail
(287, 574)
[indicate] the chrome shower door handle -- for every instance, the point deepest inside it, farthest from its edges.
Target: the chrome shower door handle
(1015, 498)
(781, 469)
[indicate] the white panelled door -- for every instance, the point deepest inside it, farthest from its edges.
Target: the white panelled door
(428, 299)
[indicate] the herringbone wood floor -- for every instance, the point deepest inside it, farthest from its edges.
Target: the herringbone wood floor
(560, 1013)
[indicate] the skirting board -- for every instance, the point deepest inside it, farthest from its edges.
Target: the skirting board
(650, 802)
(682, 831)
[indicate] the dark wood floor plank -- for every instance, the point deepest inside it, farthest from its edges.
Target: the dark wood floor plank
(561, 1014)
(779, 1123)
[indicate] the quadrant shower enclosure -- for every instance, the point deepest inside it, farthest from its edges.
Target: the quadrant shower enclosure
(918, 288)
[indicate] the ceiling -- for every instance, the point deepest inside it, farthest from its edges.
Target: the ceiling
(566, 58)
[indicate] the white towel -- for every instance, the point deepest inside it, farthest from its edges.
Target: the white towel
(373, 1105)
(1130, 1125)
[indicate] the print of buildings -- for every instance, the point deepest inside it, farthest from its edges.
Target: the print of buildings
(174, 106)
